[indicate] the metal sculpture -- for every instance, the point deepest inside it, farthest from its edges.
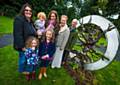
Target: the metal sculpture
(91, 30)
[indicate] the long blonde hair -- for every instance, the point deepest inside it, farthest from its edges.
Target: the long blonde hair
(29, 41)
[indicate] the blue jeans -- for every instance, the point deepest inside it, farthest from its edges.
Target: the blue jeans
(23, 67)
(22, 62)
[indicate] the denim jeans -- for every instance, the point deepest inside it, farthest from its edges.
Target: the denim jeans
(22, 61)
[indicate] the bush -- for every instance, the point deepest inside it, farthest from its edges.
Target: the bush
(8, 10)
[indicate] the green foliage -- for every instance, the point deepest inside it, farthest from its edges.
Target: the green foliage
(74, 65)
(44, 5)
(102, 4)
(117, 23)
(71, 14)
(10, 7)
(60, 9)
(8, 10)
(113, 7)
(87, 8)
(10, 75)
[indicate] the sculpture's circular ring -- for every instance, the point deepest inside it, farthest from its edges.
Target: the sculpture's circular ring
(111, 37)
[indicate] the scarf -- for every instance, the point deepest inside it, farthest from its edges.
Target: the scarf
(63, 28)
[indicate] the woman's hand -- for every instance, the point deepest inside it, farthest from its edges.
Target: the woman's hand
(23, 49)
(39, 32)
(45, 56)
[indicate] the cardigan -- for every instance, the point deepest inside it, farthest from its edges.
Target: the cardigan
(62, 37)
(46, 48)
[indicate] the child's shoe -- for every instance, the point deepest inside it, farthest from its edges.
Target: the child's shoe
(44, 72)
(27, 77)
(33, 75)
(45, 75)
(40, 76)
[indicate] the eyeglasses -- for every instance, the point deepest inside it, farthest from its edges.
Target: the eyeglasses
(28, 10)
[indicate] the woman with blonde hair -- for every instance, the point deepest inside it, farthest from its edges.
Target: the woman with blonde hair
(61, 41)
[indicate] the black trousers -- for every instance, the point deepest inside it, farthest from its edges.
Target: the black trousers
(65, 55)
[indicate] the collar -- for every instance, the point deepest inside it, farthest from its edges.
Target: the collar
(63, 28)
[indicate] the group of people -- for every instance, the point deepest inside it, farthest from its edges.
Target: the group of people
(41, 42)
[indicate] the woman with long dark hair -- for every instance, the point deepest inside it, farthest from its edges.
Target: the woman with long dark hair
(53, 22)
(22, 29)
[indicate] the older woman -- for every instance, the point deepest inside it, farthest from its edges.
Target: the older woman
(62, 39)
(22, 29)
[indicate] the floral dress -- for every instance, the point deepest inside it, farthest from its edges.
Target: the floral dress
(31, 59)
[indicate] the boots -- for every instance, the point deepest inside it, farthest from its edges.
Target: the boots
(27, 77)
(44, 72)
(40, 74)
(33, 75)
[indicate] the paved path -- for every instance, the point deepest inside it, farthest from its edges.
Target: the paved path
(5, 40)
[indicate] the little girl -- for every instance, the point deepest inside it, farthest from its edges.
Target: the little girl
(31, 54)
(40, 23)
(46, 51)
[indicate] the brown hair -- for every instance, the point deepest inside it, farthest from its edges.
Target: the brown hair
(53, 35)
(56, 15)
(23, 9)
(29, 41)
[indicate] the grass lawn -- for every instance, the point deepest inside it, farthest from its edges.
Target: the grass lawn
(109, 75)
(6, 25)
(9, 74)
